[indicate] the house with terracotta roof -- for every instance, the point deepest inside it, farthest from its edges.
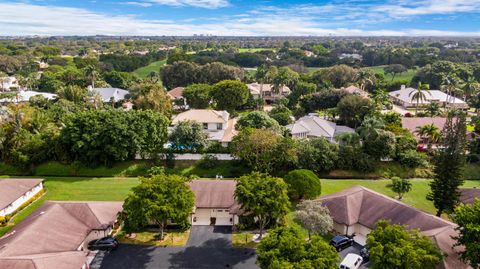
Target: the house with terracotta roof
(468, 196)
(355, 90)
(412, 123)
(56, 235)
(15, 193)
(267, 92)
(358, 209)
(403, 97)
(313, 126)
(215, 202)
(218, 124)
(178, 100)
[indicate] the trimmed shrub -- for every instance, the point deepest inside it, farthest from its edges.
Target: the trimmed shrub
(303, 184)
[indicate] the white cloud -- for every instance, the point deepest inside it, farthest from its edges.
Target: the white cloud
(405, 8)
(28, 19)
(194, 3)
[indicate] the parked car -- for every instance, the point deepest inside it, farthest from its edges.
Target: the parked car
(351, 261)
(340, 242)
(105, 243)
(365, 254)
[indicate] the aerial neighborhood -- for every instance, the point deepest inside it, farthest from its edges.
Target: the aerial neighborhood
(230, 152)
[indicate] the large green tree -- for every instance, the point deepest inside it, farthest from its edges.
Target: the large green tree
(285, 247)
(468, 219)
(303, 183)
(263, 196)
(352, 109)
(449, 164)
(158, 199)
(198, 95)
(317, 154)
(314, 217)
(392, 247)
(257, 120)
(188, 135)
(230, 94)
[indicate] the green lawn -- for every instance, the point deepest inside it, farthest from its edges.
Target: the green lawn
(143, 72)
(406, 76)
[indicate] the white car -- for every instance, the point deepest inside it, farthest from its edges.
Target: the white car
(351, 261)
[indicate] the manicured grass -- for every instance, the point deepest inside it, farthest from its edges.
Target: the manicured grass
(243, 240)
(254, 49)
(143, 72)
(227, 169)
(406, 76)
(171, 238)
(122, 169)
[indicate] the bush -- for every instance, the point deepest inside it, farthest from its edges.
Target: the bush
(4, 220)
(303, 184)
(413, 159)
(208, 161)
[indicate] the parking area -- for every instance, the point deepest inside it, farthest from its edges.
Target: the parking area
(207, 247)
(355, 248)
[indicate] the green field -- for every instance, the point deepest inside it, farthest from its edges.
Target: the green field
(117, 189)
(143, 72)
(407, 76)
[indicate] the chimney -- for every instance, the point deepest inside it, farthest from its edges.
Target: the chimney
(402, 87)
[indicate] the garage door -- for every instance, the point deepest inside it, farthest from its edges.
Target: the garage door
(221, 217)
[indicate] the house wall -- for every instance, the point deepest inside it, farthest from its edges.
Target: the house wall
(213, 126)
(360, 231)
(21, 200)
(202, 216)
(95, 234)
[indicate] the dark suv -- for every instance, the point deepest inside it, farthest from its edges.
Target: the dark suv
(340, 242)
(106, 243)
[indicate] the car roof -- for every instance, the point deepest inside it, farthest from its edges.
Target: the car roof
(350, 259)
(339, 238)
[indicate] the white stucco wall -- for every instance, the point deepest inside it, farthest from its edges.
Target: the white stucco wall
(21, 200)
(223, 217)
(360, 231)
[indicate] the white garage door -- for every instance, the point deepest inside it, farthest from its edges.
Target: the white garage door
(203, 216)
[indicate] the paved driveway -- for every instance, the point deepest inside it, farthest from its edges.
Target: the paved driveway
(207, 247)
(356, 250)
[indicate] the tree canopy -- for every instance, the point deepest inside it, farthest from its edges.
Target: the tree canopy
(468, 219)
(229, 94)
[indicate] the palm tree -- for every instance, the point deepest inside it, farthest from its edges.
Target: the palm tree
(451, 88)
(433, 109)
(429, 134)
(91, 73)
(284, 77)
(364, 78)
(418, 95)
(470, 87)
(381, 98)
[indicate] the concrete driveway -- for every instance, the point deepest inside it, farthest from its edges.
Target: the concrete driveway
(207, 247)
(356, 250)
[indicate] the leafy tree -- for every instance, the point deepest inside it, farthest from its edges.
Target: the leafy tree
(351, 155)
(257, 120)
(432, 109)
(340, 75)
(264, 196)
(284, 247)
(281, 114)
(158, 199)
(230, 94)
(400, 186)
(284, 77)
(429, 133)
(314, 217)
(394, 69)
(449, 164)
(179, 74)
(303, 184)
(188, 135)
(391, 247)
(75, 94)
(317, 154)
(92, 74)
(154, 97)
(198, 95)
(352, 109)
(322, 100)
(263, 149)
(468, 219)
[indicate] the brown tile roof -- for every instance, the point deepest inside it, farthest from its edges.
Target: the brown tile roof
(411, 123)
(58, 227)
(11, 189)
(202, 116)
(366, 207)
(175, 93)
(63, 260)
(230, 132)
(468, 196)
(214, 193)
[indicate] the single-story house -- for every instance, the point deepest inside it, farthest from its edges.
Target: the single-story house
(358, 209)
(56, 235)
(313, 126)
(468, 196)
(16, 192)
(267, 92)
(217, 124)
(403, 97)
(110, 94)
(24, 96)
(355, 90)
(215, 202)
(176, 94)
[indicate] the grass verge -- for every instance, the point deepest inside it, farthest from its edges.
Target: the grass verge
(243, 240)
(171, 238)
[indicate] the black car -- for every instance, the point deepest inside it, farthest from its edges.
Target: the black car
(340, 242)
(364, 254)
(106, 243)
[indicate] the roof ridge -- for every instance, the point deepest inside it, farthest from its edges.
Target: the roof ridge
(76, 217)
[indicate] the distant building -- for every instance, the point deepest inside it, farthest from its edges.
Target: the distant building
(403, 97)
(313, 126)
(110, 94)
(468, 196)
(9, 84)
(178, 100)
(267, 92)
(16, 192)
(355, 90)
(217, 124)
(412, 123)
(24, 96)
(354, 56)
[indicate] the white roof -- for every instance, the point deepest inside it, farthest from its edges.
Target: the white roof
(315, 126)
(202, 116)
(405, 95)
(109, 93)
(24, 96)
(255, 88)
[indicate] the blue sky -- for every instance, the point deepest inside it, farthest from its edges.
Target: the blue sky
(241, 17)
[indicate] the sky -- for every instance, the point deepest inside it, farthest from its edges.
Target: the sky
(241, 17)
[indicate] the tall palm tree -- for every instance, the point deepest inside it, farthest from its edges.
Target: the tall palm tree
(429, 134)
(91, 73)
(365, 77)
(418, 95)
(433, 109)
(470, 87)
(284, 77)
(450, 86)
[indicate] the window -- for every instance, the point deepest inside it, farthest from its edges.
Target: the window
(205, 126)
(219, 126)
